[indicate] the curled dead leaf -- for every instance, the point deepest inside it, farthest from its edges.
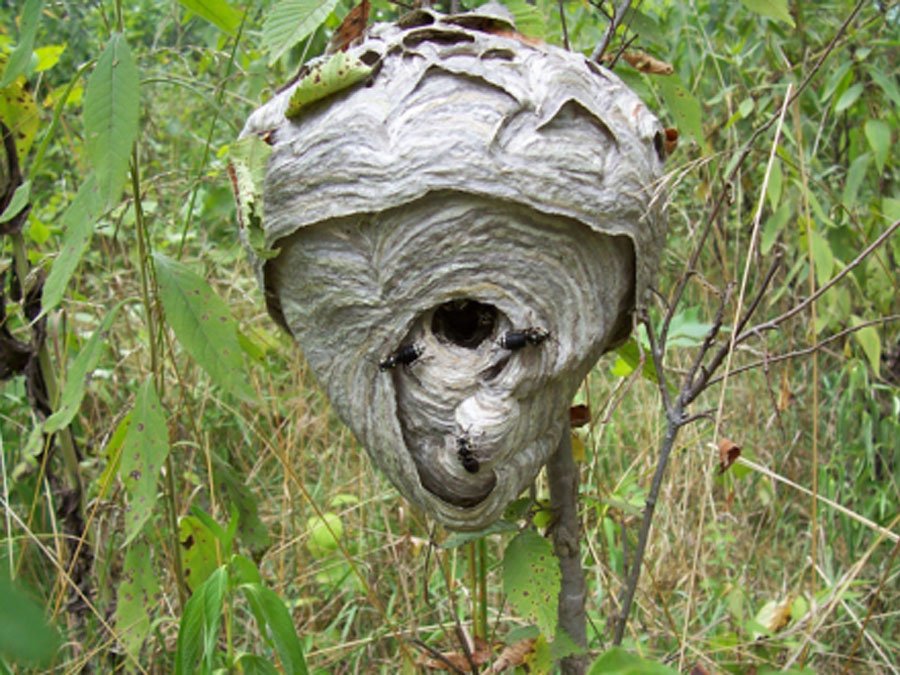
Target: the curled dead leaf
(512, 656)
(698, 669)
(642, 61)
(352, 28)
(729, 451)
(670, 142)
(450, 661)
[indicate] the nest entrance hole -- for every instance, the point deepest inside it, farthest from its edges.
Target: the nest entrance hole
(465, 323)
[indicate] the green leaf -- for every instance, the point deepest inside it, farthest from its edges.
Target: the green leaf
(253, 533)
(772, 9)
(774, 225)
(18, 202)
(217, 12)
(77, 376)
(250, 664)
(78, 222)
(822, 257)
(202, 323)
(290, 21)
(617, 661)
(531, 579)
(849, 97)
(338, 72)
(457, 539)
(776, 181)
(248, 159)
(25, 635)
(47, 57)
(628, 358)
(855, 176)
(111, 113)
(137, 597)
(888, 85)
(145, 449)
(869, 339)
(528, 18)
(270, 608)
(198, 551)
(199, 629)
(20, 59)
(113, 453)
(878, 133)
(686, 329)
(684, 108)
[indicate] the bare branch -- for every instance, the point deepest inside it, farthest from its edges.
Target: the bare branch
(616, 21)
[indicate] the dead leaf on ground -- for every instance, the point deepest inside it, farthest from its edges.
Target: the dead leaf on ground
(352, 28)
(642, 61)
(698, 669)
(729, 451)
(512, 656)
(481, 654)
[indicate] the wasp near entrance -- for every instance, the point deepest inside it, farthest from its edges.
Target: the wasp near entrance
(404, 355)
(514, 340)
(465, 455)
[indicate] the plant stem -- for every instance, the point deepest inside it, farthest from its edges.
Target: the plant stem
(562, 474)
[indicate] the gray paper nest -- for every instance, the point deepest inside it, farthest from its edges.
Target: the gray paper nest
(473, 185)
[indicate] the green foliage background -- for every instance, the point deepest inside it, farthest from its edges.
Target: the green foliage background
(193, 503)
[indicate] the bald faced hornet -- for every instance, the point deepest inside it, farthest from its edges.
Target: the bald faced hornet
(465, 455)
(514, 340)
(404, 355)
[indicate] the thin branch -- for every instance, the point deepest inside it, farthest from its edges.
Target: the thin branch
(562, 475)
(778, 320)
(562, 20)
(806, 351)
(745, 152)
(616, 21)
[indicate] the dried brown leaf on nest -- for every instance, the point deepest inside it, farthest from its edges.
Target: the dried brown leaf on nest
(641, 61)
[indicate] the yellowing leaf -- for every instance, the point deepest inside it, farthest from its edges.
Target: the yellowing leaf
(339, 72)
(19, 113)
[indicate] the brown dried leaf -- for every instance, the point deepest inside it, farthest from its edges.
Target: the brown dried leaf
(579, 415)
(784, 395)
(671, 140)
(481, 654)
(352, 28)
(698, 669)
(512, 656)
(729, 451)
(643, 62)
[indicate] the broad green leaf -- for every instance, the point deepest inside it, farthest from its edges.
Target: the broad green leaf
(202, 323)
(145, 449)
(338, 72)
(823, 258)
(849, 97)
(113, 454)
(18, 202)
(772, 9)
(19, 113)
(776, 181)
(290, 21)
(774, 225)
(198, 631)
(855, 176)
(686, 329)
(271, 611)
(111, 112)
(250, 664)
(531, 579)
(888, 85)
(248, 159)
(324, 534)
(137, 598)
(25, 635)
(47, 57)
(528, 18)
(198, 551)
(78, 221)
(684, 108)
(20, 59)
(217, 12)
(617, 661)
(878, 133)
(869, 339)
(251, 530)
(77, 376)
(628, 357)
